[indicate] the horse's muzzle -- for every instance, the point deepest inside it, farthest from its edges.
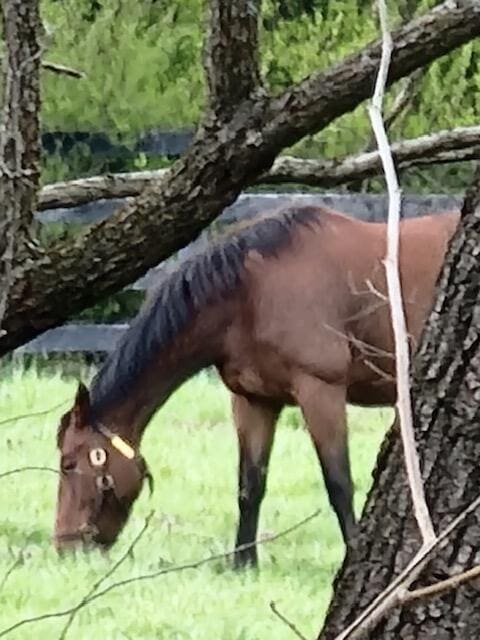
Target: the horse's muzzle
(82, 540)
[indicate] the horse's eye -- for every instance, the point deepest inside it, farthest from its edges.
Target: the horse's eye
(98, 457)
(67, 465)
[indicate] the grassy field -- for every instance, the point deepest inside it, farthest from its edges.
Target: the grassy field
(191, 449)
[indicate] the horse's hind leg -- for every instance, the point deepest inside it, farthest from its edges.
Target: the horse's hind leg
(255, 423)
(324, 409)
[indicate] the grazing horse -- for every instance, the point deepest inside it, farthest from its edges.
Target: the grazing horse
(291, 309)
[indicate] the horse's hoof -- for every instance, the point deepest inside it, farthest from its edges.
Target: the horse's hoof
(245, 561)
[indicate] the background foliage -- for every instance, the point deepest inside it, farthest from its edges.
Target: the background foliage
(143, 66)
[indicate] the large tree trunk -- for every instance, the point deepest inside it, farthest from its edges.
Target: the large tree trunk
(226, 156)
(19, 138)
(446, 403)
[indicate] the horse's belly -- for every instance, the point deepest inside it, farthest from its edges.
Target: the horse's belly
(371, 382)
(249, 380)
(372, 393)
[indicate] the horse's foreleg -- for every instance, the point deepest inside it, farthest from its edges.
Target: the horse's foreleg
(324, 409)
(255, 424)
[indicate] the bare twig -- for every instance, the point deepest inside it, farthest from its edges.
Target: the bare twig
(12, 472)
(16, 563)
(155, 574)
(34, 414)
(62, 69)
(401, 102)
(364, 347)
(286, 621)
(84, 601)
(403, 98)
(439, 588)
(72, 611)
(391, 262)
(397, 591)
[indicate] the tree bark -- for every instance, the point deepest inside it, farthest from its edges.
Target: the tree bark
(445, 396)
(231, 56)
(19, 137)
(220, 163)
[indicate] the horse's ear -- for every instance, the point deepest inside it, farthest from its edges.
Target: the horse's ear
(81, 407)
(77, 417)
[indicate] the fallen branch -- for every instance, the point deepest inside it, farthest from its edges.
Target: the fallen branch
(392, 268)
(155, 574)
(455, 145)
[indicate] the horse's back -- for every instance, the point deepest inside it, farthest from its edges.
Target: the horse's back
(319, 307)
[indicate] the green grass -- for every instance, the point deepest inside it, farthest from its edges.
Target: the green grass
(191, 449)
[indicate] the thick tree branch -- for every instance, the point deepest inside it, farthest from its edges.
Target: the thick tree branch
(322, 97)
(462, 143)
(231, 55)
(218, 165)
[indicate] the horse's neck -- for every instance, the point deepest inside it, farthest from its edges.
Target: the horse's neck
(194, 349)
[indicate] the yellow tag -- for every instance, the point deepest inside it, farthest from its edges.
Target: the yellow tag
(124, 448)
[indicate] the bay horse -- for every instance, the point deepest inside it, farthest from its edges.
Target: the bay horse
(291, 308)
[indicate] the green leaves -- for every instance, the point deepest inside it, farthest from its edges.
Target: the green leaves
(143, 65)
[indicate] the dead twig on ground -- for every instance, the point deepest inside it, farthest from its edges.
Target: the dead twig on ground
(150, 576)
(286, 621)
(12, 472)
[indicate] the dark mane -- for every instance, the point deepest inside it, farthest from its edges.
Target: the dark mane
(207, 276)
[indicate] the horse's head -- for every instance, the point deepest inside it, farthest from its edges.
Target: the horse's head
(100, 478)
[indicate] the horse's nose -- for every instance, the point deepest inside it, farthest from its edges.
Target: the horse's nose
(80, 540)
(88, 532)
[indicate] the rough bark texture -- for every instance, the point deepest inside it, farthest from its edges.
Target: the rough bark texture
(231, 55)
(222, 160)
(446, 394)
(19, 136)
